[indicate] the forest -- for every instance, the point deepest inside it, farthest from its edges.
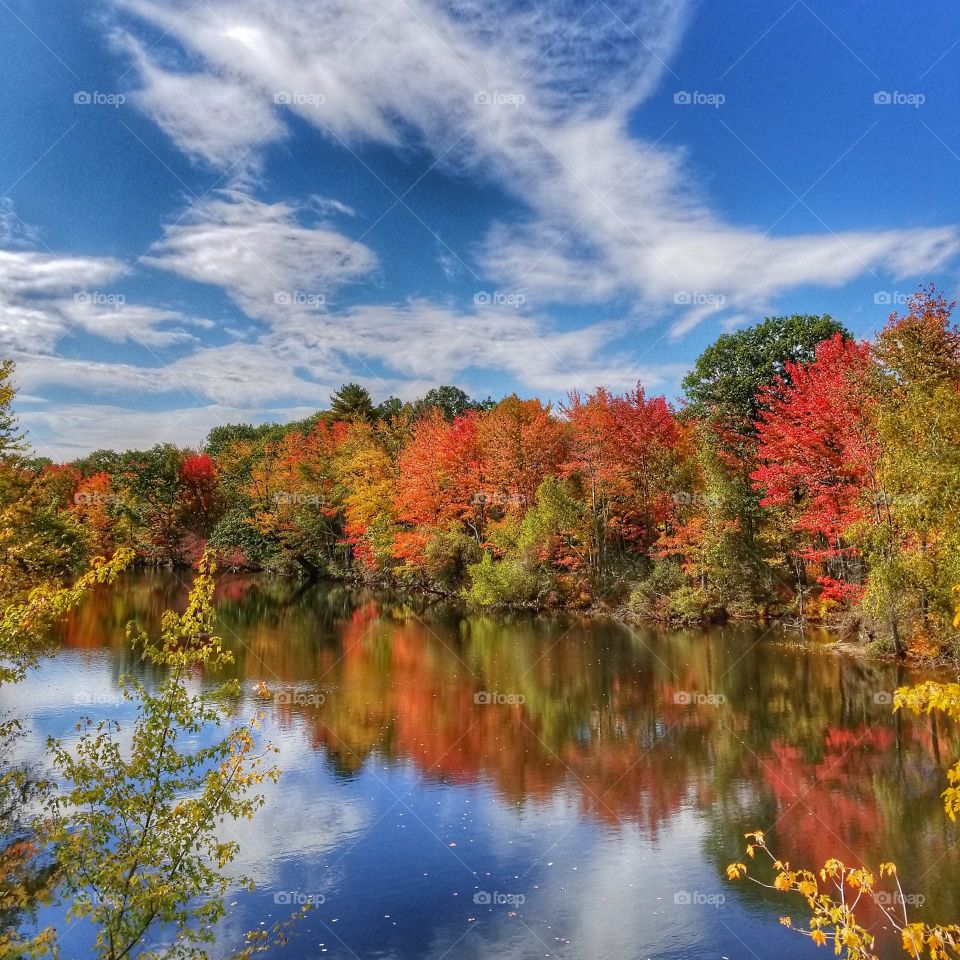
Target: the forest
(805, 475)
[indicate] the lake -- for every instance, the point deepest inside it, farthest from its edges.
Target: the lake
(534, 786)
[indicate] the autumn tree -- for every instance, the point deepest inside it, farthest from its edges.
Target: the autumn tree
(726, 390)
(440, 497)
(292, 499)
(11, 439)
(366, 477)
(522, 442)
(624, 451)
(919, 433)
(819, 461)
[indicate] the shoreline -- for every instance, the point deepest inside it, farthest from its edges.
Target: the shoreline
(846, 642)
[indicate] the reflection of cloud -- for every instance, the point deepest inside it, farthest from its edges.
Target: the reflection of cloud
(295, 826)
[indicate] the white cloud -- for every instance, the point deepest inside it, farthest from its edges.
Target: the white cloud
(66, 432)
(261, 254)
(211, 117)
(121, 322)
(25, 273)
(44, 297)
(609, 215)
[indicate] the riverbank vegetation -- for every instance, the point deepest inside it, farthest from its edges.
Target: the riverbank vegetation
(806, 475)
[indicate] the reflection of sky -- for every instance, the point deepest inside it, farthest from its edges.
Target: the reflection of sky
(399, 860)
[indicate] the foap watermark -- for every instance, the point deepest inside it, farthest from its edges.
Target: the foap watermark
(890, 297)
(482, 499)
(299, 98)
(98, 298)
(493, 898)
(298, 898)
(897, 98)
(686, 698)
(499, 298)
(687, 898)
(494, 698)
(298, 298)
(697, 298)
(286, 498)
(97, 98)
(499, 98)
(697, 98)
(897, 899)
(84, 698)
(687, 498)
(301, 698)
(90, 497)
(883, 698)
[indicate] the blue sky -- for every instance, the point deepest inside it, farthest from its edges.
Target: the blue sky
(222, 210)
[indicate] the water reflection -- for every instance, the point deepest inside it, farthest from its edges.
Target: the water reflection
(606, 775)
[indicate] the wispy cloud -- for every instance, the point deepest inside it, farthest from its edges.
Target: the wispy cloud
(537, 100)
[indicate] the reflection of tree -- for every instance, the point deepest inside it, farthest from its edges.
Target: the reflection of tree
(24, 876)
(792, 736)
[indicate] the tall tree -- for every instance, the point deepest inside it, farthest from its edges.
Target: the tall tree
(919, 427)
(11, 439)
(727, 381)
(522, 443)
(440, 493)
(732, 381)
(351, 402)
(819, 459)
(451, 401)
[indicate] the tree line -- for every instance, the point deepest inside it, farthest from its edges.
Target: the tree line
(806, 474)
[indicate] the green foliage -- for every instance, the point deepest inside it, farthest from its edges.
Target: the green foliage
(450, 401)
(666, 594)
(352, 401)
(134, 830)
(220, 438)
(449, 554)
(11, 439)
(552, 529)
(233, 535)
(651, 596)
(501, 583)
(555, 522)
(728, 376)
(390, 408)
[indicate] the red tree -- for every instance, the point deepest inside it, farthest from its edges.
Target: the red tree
(819, 452)
(440, 481)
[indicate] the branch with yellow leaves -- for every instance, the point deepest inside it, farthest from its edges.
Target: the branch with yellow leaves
(833, 895)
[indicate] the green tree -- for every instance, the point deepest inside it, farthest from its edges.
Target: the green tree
(11, 439)
(450, 401)
(728, 377)
(134, 830)
(351, 402)
(726, 391)
(390, 408)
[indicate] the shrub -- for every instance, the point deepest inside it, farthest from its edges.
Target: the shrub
(501, 583)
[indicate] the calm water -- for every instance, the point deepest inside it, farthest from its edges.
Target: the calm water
(506, 787)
